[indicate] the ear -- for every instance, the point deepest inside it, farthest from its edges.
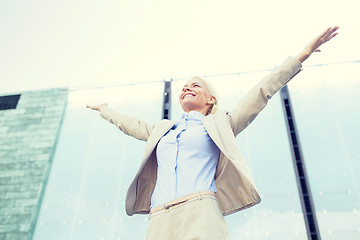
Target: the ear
(212, 100)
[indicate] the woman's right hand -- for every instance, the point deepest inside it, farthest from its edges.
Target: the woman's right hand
(97, 107)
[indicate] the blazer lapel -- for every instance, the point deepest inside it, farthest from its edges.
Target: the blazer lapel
(210, 126)
(154, 138)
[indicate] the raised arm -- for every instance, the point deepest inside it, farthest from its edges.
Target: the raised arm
(131, 126)
(256, 99)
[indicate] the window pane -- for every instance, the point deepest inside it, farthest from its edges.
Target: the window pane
(327, 111)
(93, 166)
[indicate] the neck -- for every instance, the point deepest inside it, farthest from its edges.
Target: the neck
(202, 111)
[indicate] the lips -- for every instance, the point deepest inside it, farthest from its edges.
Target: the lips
(187, 94)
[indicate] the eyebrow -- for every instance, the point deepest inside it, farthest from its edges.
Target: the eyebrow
(193, 84)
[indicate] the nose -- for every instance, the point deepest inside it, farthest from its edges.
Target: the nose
(184, 91)
(187, 89)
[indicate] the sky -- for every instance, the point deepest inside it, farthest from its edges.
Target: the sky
(77, 44)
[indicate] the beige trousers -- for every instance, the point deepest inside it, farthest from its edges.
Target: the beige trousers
(199, 218)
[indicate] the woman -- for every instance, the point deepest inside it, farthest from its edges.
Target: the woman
(192, 173)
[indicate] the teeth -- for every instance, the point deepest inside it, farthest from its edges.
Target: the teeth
(187, 95)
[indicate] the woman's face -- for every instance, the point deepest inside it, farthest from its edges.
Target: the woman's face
(195, 95)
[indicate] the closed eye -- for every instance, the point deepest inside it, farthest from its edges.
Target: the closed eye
(193, 85)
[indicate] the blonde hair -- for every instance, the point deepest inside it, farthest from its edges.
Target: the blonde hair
(213, 93)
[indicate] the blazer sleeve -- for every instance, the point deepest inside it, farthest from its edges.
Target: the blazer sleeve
(131, 126)
(256, 99)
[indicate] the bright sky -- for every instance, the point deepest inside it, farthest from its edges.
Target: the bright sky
(49, 43)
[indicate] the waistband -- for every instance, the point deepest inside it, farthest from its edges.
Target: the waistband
(182, 200)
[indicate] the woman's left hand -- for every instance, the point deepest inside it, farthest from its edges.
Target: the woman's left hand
(314, 45)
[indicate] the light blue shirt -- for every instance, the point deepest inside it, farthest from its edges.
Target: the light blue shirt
(187, 158)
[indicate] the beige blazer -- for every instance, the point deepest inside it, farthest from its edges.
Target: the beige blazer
(235, 186)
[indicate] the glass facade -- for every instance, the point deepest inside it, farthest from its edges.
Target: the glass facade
(93, 166)
(328, 119)
(94, 162)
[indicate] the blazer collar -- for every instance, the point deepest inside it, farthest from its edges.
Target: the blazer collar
(164, 127)
(210, 126)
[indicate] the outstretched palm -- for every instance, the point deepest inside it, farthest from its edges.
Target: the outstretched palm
(324, 37)
(314, 45)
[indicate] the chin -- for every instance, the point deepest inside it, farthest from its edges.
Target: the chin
(187, 106)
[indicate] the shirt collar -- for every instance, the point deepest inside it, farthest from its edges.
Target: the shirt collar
(193, 115)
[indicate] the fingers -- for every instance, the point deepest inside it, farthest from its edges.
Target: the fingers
(330, 33)
(93, 107)
(97, 107)
(325, 33)
(324, 37)
(333, 29)
(318, 41)
(332, 36)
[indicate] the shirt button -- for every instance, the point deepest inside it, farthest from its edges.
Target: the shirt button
(268, 96)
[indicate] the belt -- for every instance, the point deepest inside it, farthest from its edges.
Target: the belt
(181, 200)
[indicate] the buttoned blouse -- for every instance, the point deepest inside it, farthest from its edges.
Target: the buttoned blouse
(187, 159)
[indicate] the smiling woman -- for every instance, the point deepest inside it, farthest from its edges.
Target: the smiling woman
(192, 173)
(198, 95)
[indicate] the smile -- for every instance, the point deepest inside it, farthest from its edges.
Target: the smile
(188, 94)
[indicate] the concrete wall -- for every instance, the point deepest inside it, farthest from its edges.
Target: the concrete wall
(28, 136)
